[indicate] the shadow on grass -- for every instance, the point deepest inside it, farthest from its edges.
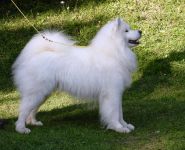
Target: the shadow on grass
(163, 114)
(39, 6)
(73, 115)
(78, 114)
(156, 73)
(159, 119)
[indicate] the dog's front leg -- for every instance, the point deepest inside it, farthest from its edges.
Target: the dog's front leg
(124, 123)
(109, 104)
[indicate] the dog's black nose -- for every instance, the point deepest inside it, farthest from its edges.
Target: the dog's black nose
(140, 32)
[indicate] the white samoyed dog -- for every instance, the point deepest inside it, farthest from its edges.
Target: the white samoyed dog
(101, 71)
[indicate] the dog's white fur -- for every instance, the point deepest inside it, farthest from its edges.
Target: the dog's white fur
(101, 71)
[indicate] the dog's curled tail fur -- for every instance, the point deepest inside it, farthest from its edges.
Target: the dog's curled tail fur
(58, 42)
(50, 41)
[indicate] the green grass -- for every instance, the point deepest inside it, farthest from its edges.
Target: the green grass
(155, 102)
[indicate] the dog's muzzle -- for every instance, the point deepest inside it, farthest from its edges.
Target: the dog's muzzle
(136, 42)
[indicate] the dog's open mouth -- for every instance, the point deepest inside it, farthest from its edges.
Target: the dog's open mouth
(134, 42)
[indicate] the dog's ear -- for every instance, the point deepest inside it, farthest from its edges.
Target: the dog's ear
(117, 23)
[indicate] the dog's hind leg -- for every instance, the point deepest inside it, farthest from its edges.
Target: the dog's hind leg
(32, 118)
(27, 105)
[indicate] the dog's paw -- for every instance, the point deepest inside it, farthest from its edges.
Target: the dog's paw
(123, 130)
(130, 126)
(126, 125)
(119, 128)
(38, 123)
(34, 122)
(23, 130)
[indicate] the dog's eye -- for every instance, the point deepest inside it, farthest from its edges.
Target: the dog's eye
(126, 30)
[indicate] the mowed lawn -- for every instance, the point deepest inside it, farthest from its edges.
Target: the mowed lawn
(155, 103)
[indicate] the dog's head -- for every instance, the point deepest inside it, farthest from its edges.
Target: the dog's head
(123, 31)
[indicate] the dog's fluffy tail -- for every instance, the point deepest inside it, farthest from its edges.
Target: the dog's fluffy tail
(58, 42)
(38, 44)
(57, 37)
